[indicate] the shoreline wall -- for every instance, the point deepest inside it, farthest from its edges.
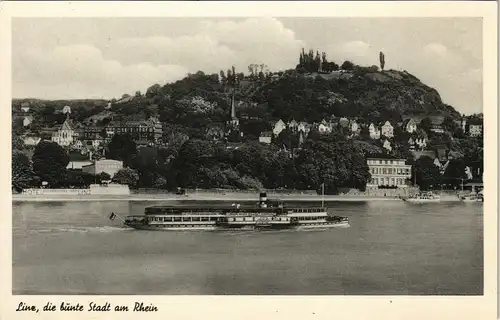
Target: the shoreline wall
(94, 189)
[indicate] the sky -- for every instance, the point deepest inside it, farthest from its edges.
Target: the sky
(75, 58)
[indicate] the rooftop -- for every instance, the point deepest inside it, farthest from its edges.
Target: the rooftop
(383, 156)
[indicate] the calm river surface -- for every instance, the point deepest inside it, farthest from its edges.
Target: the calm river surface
(391, 248)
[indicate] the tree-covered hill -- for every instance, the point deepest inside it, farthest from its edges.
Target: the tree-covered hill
(363, 92)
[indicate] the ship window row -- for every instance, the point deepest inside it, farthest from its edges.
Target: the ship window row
(184, 219)
(308, 210)
(181, 211)
(310, 218)
(257, 218)
(175, 226)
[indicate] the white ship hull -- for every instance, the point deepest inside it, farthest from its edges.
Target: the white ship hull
(410, 200)
(302, 226)
(342, 224)
(471, 200)
(174, 228)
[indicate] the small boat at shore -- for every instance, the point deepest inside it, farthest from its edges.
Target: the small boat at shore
(473, 197)
(235, 217)
(423, 197)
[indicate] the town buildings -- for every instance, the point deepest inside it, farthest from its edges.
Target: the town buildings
(374, 131)
(266, 137)
(437, 128)
(150, 130)
(475, 130)
(27, 120)
(409, 125)
(387, 171)
(215, 132)
(387, 130)
(78, 160)
(109, 166)
(65, 134)
(31, 141)
(387, 145)
(325, 127)
(278, 127)
(355, 127)
(304, 127)
(293, 126)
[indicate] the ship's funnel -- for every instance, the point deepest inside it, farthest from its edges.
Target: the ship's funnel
(263, 200)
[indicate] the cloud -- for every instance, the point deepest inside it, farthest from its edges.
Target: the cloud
(59, 72)
(436, 49)
(126, 64)
(475, 75)
(357, 51)
(217, 45)
(356, 48)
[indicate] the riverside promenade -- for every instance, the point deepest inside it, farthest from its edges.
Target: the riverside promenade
(205, 196)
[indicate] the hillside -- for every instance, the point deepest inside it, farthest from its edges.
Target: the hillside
(200, 99)
(370, 95)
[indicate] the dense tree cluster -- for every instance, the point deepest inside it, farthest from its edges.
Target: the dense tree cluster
(308, 62)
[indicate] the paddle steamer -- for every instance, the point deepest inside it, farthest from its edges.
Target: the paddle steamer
(264, 216)
(423, 197)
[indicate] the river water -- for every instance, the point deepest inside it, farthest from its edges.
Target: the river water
(391, 248)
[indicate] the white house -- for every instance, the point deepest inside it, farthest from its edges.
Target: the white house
(355, 128)
(325, 127)
(343, 122)
(31, 141)
(278, 127)
(437, 128)
(475, 130)
(387, 130)
(388, 171)
(463, 124)
(27, 120)
(410, 125)
(65, 135)
(78, 145)
(266, 137)
(374, 131)
(411, 143)
(292, 125)
(66, 110)
(109, 166)
(421, 143)
(304, 127)
(387, 145)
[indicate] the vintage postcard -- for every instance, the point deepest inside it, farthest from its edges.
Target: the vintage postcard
(276, 160)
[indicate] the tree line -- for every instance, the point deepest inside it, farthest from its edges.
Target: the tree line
(194, 163)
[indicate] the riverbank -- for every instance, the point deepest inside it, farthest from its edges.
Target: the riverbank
(207, 197)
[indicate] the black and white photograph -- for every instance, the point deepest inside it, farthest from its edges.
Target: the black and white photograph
(248, 155)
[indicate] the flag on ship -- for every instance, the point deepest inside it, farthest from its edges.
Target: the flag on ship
(112, 216)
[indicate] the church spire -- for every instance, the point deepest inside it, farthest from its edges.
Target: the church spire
(233, 107)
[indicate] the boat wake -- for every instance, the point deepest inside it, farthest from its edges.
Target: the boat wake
(102, 229)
